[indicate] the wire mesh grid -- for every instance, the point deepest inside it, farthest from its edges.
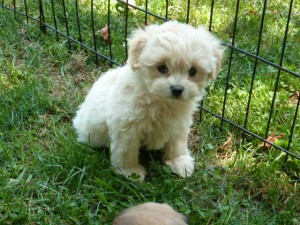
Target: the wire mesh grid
(262, 40)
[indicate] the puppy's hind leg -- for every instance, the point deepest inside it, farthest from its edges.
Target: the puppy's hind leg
(177, 156)
(125, 157)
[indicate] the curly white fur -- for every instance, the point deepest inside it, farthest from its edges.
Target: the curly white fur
(136, 106)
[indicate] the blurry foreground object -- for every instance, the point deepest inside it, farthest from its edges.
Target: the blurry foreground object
(150, 214)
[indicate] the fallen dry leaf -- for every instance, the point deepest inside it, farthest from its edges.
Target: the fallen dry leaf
(272, 138)
(228, 144)
(104, 33)
(293, 99)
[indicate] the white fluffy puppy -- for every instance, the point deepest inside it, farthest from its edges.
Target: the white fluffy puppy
(149, 102)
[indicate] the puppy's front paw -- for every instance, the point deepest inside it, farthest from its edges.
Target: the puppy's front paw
(182, 165)
(138, 170)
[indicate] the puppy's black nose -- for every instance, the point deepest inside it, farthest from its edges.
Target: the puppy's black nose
(177, 90)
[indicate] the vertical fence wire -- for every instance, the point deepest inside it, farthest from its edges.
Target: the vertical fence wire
(210, 29)
(54, 20)
(78, 23)
(42, 17)
(126, 29)
(188, 12)
(14, 7)
(211, 15)
(109, 33)
(294, 124)
(26, 11)
(279, 69)
(146, 14)
(66, 23)
(298, 102)
(230, 59)
(94, 33)
(255, 63)
(166, 11)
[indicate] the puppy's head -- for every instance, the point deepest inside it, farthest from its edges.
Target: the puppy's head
(150, 214)
(175, 60)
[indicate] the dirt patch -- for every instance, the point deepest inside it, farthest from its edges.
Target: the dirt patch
(294, 98)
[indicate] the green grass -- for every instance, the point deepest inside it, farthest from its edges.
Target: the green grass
(47, 177)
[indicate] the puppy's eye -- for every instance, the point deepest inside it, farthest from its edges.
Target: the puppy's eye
(163, 69)
(192, 72)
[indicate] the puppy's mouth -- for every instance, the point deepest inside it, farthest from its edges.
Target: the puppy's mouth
(174, 98)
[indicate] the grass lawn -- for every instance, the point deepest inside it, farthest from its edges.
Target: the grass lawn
(47, 177)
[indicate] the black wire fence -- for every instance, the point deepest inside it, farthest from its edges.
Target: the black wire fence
(259, 84)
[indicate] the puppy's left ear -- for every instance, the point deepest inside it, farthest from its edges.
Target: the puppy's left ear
(136, 45)
(218, 56)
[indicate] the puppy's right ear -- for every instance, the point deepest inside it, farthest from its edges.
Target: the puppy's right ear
(136, 45)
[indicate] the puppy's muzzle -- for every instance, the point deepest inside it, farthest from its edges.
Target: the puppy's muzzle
(177, 90)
